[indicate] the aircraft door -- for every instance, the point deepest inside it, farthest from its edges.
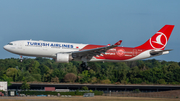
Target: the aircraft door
(45, 48)
(20, 45)
(134, 52)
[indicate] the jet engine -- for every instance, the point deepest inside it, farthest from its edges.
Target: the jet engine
(63, 57)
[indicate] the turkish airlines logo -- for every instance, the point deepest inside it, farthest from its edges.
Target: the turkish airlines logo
(120, 52)
(158, 41)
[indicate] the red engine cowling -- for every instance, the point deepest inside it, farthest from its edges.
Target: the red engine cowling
(63, 58)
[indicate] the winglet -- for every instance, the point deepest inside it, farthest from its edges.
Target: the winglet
(108, 44)
(118, 43)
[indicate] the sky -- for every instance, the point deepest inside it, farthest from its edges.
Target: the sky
(99, 22)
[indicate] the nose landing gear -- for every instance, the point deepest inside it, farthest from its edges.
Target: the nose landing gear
(21, 59)
(84, 65)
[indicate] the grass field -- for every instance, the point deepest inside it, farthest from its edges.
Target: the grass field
(76, 98)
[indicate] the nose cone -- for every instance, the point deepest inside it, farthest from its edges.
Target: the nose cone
(8, 48)
(5, 47)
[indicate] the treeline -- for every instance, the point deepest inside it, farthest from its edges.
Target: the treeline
(47, 70)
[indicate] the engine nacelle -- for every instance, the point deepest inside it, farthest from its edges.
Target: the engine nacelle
(63, 58)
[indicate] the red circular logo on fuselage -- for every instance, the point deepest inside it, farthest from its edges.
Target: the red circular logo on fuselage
(158, 41)
(120, 52)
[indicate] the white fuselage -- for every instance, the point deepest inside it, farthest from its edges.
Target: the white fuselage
(41, 48)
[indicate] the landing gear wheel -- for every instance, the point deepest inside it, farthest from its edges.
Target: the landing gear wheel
(88, 68)
(21, 59)
(84, 65)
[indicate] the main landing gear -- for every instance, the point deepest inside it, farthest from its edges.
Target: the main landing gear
(84, 65)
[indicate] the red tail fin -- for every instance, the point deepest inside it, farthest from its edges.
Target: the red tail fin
(158, 40)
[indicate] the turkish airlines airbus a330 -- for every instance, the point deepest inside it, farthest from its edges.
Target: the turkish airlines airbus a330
(65, 52)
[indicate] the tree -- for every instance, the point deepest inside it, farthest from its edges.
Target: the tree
(27, 76)
(12, 72)
(55, 79)
(161, 81)
(33, 67)
(58, 73)
(25, 86)
(107, 81)
(47, 70)
(133, 72)
(84, 88)
(70, 77)
(37, 77)
(47, 77)
(44, 69)
(5, 78)
(93, 80)
(173, 66)
(136, 80)
(84, 77)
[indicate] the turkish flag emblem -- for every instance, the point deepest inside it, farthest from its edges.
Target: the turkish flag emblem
(158, 41)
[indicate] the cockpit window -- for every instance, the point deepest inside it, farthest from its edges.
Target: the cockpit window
(10, 43)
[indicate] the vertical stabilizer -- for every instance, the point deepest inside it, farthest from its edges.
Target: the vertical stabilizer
(158, 40)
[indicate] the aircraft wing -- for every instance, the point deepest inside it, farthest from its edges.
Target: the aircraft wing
(93, 52)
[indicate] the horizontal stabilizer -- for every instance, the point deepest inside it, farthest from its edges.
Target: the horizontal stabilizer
(159, 52)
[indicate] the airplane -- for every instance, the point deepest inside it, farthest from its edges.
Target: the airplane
(65, 52)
